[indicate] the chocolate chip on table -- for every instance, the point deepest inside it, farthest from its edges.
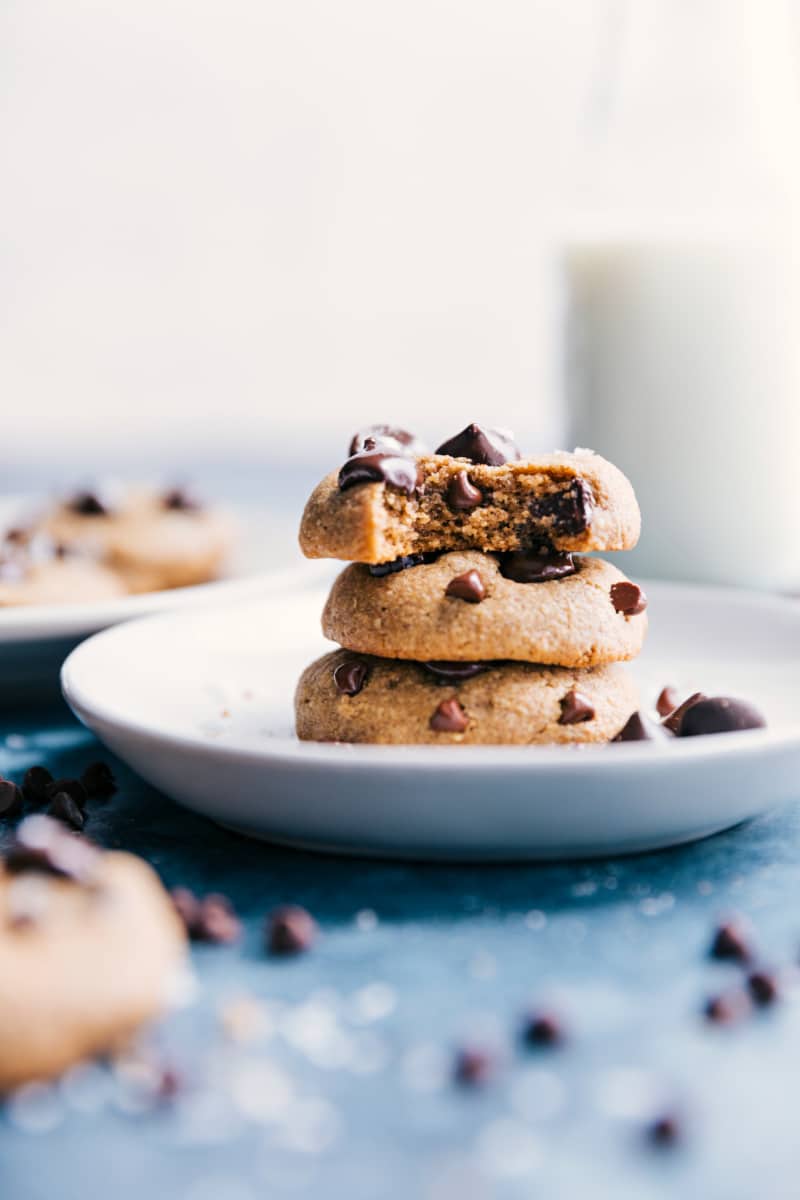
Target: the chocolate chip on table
(386, 437)
(764, 987)
(664, 1131)
(180, 499)
(628, 598)
(492, 447)
(469, 587)
(11, 799)
(72, 787)
(673, 721)
(536, 566)
(720, 714)
(290, 930)
(728, 1007)
(372, 466)
(401, 564)
(44, 845)
(35, 783)
(89, 504)
(638, 728)
(575, 708)
(731, 941)
(474, 1066)
(350, 676)
(462, 494)
(64, 809)
(209, 918)
(455, 672)
(567, 511)
(543, 1029)
(98, 781)
(449, 717)
(667, 701)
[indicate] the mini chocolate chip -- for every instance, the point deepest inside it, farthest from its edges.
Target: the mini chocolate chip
(764, 987)
(98, 780)
(455, 672)
(536, 566)
(667, 701)
(180, 499)
(728, 1007)
(449, 717)
(628, 598)
(638, 728)
(64, 809)
(350, 676)
(10, 799)
(35, 783)
(543, 1029)
(372, 466)
(731, 941)
(42, 844)
(400, 564)
(673, 721)
(469, 587)
(720, 714)
(209, 918)
(89, 504)
(575, 708)
(290, 930)
(493, 447)
(664, 1131)
(567, 511)
(386, 437)
(474, 1066)
(73, 788)
(463, 495)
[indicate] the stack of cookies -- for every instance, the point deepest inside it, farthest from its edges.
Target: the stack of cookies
(468, 613)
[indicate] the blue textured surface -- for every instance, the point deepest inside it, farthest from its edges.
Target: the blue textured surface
(346, 1091)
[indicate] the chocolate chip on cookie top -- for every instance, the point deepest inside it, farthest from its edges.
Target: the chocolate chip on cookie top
(44, 845)
(375, 466)
(628, 598)
(462, 495)
(388, 438)
(181, 499)
(537, 566)
(575, 708)
(350, 676)
(90, 503)
(449, 717)
(469, 587)
(490, 446)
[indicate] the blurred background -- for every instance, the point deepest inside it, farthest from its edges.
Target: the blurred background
(232, 233)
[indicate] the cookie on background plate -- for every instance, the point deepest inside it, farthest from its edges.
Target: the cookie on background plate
(345, 697)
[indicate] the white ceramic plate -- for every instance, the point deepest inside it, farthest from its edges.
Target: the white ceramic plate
(200, 704)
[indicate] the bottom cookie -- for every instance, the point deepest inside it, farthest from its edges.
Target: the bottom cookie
(345, 697)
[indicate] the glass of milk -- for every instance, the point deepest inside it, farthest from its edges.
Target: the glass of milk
(682, 271)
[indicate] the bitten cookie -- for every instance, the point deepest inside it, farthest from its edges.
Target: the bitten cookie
(542, 608)
(474, 493)
(90, 946)
(345, 697)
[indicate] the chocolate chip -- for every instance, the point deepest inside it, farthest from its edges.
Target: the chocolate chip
(664, 1131)
(474, 1066)
(764, 987)
(731, 941)
(187, 907)
(89, 504)
(211, 918)
(35, 783)
(400, 564)
(17, 535)
(386, 437)
(493, 447)
(290, 930)
(536, 566)
(72, 787)
(628, 598)
(350, 676)
(10, 799)
(455, 672)
(98, 781)
(720, 714)
(449, 717)
(463, 495)
(44, 845)
(667, 701)
(180, 499)
(575, 708)
(728, 1007)
(469, 587)
(372, 466)
(567, 511)
(543, 1029)
(674, 720)
(64, 809)
(638, 728)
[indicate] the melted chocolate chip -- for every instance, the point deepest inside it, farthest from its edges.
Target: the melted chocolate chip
(720, 714)
(290, 930)
(667, 701)
(469, 587)
(462, 495)
(628, 598)
(493, 447)
(764, 987)
(730, 941)
(474, 1066)
(674, 720)
(45, 845)
(350, 676)
(455, 672)
(575, 708)
(638, 728)
(387, 438)
(567, 511)
(400, 564)
(728, 1007)
(372, 466)
(10, 799)
(542, 1029)
(89, 504)
(449, 717)
(98, 781)
(64, 809)
(536, 566)
(35, 783)
(180, 499)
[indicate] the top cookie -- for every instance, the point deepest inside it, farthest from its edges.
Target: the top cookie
(389, 500)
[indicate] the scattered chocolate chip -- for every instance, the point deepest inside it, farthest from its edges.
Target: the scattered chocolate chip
(400, 564)
(474, 1066)
(673, 721)
(731, 941)
(764, 987)
(180, 499)
(667, 701)
(64, 809)
(455, 672)
(42, 844)
(290, 930)
(567, 511)
(10, 799)
(35, 783)
(210, 918)
(462, 494)
(720, 714)
(89, 504)
(628, 598)
(543, 1029)
(449, 717)
(98, 781)
(728, 1007)
(664, 1131)
(493, 447)
(72, 787)
(536, 566)
(638, 728)
(575, 708)
(350, 676)
(386, 437)
(371, 466)
(469, 587)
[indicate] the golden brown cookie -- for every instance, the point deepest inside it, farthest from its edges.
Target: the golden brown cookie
(59, 581)
(468, 605)
(344, 697)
